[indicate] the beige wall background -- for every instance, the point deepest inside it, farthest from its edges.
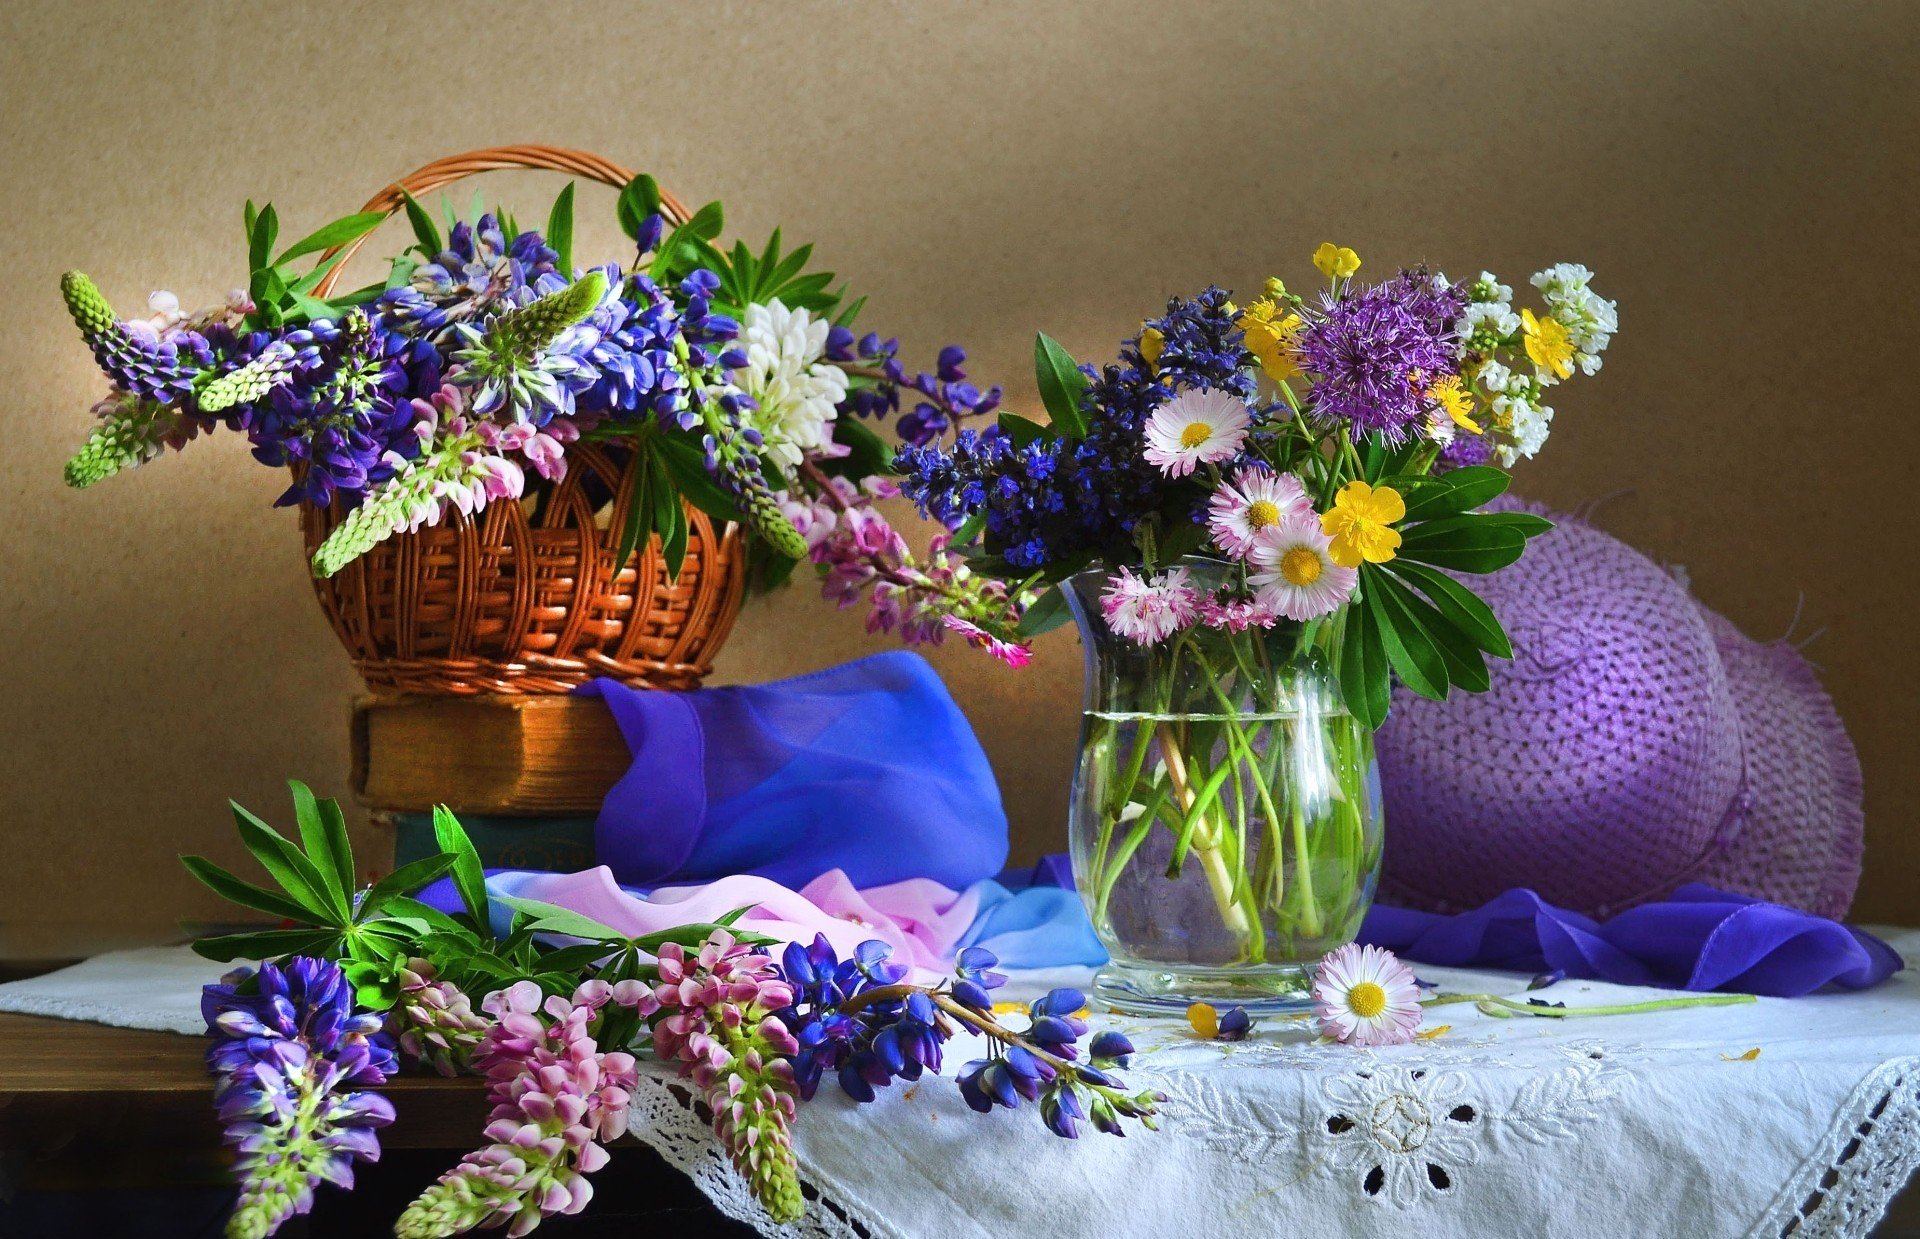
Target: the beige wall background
(1742, 176)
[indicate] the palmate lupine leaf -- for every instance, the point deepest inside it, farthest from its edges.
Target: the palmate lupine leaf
(317, 891)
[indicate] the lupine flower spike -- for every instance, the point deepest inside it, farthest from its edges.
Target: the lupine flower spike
(722, 1025)
(288, 1047)
(557, 1097)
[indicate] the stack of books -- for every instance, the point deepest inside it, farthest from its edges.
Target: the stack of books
(524, 773)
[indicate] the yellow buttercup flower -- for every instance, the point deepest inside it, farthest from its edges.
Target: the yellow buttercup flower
(1335, 261)
(1153, 342)
(1547, 344)
(1454, 399)
(1360, 524)
(1269, 337)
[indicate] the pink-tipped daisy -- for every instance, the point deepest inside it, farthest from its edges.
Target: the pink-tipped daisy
(1254, 499)
(1297, 576)
(1363, 995)
(1011, 653)
(1148, 610)
(1196, 428)
(1236, 614)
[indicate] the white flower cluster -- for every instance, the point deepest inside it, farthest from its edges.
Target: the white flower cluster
(796, 393)
(1489, 316)
(1514, 398)
(1589, 318)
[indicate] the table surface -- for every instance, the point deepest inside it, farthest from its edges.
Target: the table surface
(85, 1105)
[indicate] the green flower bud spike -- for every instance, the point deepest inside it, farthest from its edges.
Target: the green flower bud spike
(90, 310)
(248, 383)
(531, 330)
(131, 432)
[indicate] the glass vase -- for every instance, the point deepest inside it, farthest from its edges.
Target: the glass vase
(1225, 823)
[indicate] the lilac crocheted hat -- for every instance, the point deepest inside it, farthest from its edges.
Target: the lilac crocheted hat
(1637, 741)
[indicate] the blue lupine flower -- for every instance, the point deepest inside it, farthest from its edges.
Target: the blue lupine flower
(289, 1046)
(344, 411)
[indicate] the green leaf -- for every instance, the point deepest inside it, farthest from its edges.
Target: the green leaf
(692, 936)
(323, 833)
(639, 525)
(311, 280)
(686, 462)
(339, 232)
(868, 454)
(1363, 669)
(1023, 430)
(1526, 522)
(469, 876)
(248, 214)
(1463, 608)
(1061, 386)
(293, 871)
(406, 880)
(424, 230)
(266, 229)
(560, 229)
(970, 528)
(550, 918)
(246, 894)
(1410, 651)
(405, 909)
(1459, 490)
(374, 988)
(1476, 549)
(1464, 665)
(1047, 613)
(267, 944)
(669, 519)
(707, 221)
(639, 198)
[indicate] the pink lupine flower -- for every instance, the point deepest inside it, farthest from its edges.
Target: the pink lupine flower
(555, 1096)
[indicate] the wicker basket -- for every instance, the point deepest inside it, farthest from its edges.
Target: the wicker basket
(523, 597)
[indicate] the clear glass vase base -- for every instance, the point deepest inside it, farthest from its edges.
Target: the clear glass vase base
(1147, 990)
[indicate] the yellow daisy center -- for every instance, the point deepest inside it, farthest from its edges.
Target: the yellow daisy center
(1195, 434)
(1366, 1000)
(1301, 567)
(1261, 513)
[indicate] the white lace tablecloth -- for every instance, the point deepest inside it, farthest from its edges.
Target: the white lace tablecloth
(1655, 1124)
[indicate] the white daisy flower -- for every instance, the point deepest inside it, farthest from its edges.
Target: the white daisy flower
(1196, 428)
(1297, 576)
(1365, 996)
(1255, 498)
(1148, 610)
(796, 392)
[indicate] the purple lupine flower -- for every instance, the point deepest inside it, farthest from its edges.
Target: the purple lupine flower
(345, 411)
(289, 1047)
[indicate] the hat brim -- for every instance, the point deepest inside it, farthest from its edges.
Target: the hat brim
(1803, 830)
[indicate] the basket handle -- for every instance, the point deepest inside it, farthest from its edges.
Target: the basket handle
(443, 172)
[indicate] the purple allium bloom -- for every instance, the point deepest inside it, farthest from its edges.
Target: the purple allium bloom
(285, 1054)
(1373, 352)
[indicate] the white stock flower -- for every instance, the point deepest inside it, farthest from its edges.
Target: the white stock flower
(796, 393)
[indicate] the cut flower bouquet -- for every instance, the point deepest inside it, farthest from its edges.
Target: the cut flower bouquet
(1260, 516)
